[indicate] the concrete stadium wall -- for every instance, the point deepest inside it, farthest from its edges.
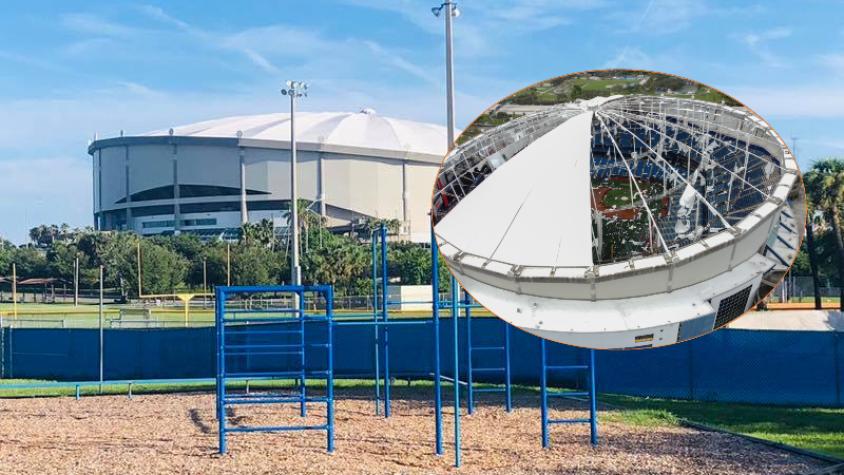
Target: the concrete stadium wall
(768, 367)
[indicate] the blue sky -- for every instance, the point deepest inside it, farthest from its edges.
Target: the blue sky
(71, 69)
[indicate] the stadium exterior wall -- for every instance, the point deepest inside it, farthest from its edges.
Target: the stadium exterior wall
(224, 182)
(753, 366)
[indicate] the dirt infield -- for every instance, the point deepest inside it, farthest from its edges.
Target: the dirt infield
(177, 434)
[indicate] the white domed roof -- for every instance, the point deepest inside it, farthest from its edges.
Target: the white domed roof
(361, 132)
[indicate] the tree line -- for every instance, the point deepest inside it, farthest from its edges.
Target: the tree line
(260, 256)
(172, 263)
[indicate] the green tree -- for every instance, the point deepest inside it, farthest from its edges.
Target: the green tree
(30, 262)
(261, 233)
(825, 185)
(214, 255)
(163, 270)
(254, 265)
(7, 255)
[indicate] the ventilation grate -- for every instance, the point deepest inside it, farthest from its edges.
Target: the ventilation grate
(732, 307)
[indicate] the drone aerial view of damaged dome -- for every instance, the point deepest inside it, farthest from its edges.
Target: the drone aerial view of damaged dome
(619, 209)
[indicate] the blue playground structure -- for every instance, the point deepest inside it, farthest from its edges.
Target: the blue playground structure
(253, 334)
(269, 343)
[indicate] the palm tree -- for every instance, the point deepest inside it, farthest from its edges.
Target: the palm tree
(813, 256)
(825, 186)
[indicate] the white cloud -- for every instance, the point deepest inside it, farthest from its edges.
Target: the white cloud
(487, 27)
(819, 100)
(758, 44)
(96, 25)
(660, 17)
(834, 62)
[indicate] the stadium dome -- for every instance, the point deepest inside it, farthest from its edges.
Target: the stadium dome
(621, 222)
(210, 177)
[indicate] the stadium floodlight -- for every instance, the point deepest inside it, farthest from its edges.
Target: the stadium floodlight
(621, 222)
(295, 89)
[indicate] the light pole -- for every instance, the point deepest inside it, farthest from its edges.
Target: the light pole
(451, 11)
(294, 89)
(449, 64)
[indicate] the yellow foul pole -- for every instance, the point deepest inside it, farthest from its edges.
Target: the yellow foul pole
(228, 264)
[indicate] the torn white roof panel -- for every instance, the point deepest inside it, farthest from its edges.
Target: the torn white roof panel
(535, 210)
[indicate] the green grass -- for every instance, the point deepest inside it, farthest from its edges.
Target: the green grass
(810, 428)
(85, 316)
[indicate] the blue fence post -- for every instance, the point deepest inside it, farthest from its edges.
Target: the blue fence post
(376, 330)
(385, 317)
(435, 310)
(470, 397)
(219, 310)
(508, 393)
(593, 409)
(543, 394)
(455, 290)
(329, 311)
(303, 391)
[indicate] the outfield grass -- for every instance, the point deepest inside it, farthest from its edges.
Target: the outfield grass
(810, 428)
(86, 316)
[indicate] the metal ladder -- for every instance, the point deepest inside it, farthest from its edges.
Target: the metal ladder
(545, 394)
(244, 336)
(485, 350)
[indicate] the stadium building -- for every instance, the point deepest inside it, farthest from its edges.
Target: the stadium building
(210, 177)
(621, 222)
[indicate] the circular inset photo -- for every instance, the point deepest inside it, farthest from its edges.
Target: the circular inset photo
(619, 209)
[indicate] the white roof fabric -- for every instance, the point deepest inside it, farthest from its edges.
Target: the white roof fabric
(534, 210)
(363, 130)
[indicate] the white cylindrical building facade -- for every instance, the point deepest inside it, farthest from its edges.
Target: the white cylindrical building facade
(209, 178)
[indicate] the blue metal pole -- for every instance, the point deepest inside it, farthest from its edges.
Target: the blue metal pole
(508, 394)
(593, 410)
(543, 394)
(329, 310)
(470, 397)
(385, 317)
(376, 330)
(303, 410)
(455, 289)
(219, 311)
(435, 310)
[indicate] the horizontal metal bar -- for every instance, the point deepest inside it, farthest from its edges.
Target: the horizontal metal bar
(278, 400)
(261, 310)
(566, 394)
(486, 370)
(566, 367)
(270, 289)
(287, 374)
(451, 380)
(569, 421)
(383, 323)
(489, 390)
(276, 428)
(134, 382)
(263, 353)
(247, 330)
(276, 320)
(248, 346)
(487, 348)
